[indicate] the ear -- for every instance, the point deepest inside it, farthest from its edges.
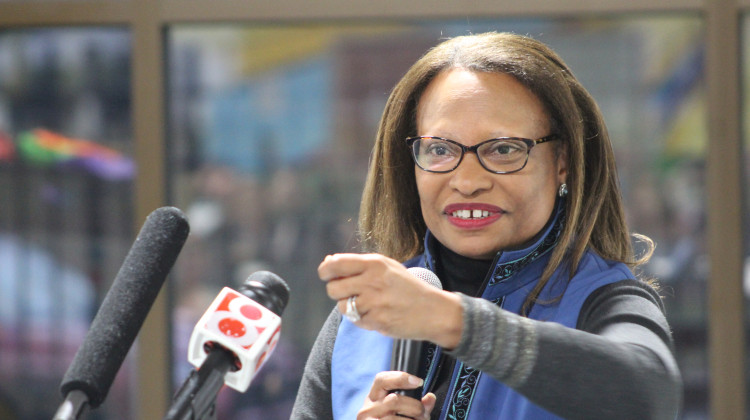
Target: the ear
(562, 163)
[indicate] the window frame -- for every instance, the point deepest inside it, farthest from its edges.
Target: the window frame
(148, 20)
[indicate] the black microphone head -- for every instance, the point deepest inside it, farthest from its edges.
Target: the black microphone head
(268, 289)
(126, 304)
(426, 275)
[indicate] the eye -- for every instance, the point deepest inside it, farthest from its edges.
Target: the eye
(436, 148)
(504, 149)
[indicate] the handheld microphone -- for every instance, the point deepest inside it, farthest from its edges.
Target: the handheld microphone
(123, 311)
(407, 354)
(231, 342)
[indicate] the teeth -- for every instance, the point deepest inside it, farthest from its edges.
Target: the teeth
(470, 214)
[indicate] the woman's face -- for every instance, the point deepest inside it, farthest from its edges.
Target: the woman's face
(470, 107)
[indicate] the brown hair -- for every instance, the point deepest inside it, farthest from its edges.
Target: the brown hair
(390, 218)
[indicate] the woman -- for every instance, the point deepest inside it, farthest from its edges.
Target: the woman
(493, 168)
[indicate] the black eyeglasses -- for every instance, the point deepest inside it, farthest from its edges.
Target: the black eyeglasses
(503, 155)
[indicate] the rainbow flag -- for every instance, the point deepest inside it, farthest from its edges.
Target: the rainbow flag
(46, 148)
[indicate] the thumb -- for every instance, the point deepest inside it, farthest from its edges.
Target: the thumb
(428, 401)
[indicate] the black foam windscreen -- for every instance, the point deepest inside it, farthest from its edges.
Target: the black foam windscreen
(268, 289)
(126, 305)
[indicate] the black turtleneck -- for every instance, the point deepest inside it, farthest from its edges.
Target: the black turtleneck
(457, 274)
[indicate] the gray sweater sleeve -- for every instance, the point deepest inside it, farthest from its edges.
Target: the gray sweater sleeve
(617, 363)
(314, 396)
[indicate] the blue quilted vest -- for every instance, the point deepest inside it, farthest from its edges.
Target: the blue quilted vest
(359, 354)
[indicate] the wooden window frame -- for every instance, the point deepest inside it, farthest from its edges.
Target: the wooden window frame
(148, 20)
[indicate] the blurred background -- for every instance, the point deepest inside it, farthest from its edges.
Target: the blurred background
(265, 130)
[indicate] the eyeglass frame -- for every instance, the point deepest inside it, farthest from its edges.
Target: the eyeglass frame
(530, 143)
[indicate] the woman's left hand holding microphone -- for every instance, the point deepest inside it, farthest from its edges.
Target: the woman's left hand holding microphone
(390, 300)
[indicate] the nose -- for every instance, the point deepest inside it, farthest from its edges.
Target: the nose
(470, 177)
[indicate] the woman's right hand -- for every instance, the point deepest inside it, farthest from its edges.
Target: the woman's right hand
(391, 300)
(381, 403)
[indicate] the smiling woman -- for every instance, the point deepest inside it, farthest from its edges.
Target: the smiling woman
(541, 315)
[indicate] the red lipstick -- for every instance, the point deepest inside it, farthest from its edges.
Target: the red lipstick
(472, 215)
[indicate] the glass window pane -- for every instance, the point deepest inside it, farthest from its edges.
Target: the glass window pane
(66, 173)
(272, 128)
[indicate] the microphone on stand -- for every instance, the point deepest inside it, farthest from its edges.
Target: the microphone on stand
(407, 354)
(230, 343)
(122, 312)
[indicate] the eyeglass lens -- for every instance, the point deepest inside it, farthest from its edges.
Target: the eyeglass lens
(442, 155)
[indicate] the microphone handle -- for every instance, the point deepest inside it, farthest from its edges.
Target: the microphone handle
(407, 354)
(406, 357)
(196, 398)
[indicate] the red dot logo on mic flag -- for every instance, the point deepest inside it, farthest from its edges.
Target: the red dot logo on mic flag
(228, 298)
(269, 346)
(232, 327)
(251, 312)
